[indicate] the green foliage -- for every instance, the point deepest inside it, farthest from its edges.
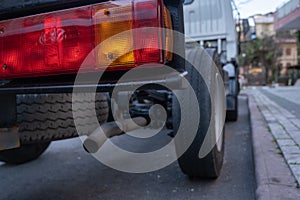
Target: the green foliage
(298, 41)
(261, 52)
(298, 35)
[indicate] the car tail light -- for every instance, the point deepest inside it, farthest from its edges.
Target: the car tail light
(58, 42)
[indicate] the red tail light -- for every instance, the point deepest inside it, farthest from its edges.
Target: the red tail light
(150, 19)
(58, 42)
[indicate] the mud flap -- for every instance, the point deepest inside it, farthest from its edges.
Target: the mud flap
(9, 138)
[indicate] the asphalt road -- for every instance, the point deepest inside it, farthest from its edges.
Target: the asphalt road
(65, 171)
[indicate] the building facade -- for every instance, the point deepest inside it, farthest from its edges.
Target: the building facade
(289, 54)
(264, 25)
(287, 17)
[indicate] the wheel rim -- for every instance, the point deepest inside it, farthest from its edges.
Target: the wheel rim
(219, 113)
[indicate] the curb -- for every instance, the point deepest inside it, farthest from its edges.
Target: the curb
(273, 177)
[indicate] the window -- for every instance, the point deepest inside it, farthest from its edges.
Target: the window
(288, 51)
(186, 2)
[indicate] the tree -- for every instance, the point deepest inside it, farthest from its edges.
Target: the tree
(261, 52)
(298, 43)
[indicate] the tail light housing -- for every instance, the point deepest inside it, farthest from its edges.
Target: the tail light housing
(57, 43)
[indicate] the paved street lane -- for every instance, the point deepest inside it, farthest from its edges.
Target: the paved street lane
(65, 171)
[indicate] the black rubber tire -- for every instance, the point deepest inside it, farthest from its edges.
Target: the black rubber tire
(23, 154)
(190, 163)
(44, 118)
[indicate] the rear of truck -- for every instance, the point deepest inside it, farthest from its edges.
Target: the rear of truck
(45, 44)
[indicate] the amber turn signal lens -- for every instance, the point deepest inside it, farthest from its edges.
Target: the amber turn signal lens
(110, 22)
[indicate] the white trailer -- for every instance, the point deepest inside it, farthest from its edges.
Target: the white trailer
(211, 24)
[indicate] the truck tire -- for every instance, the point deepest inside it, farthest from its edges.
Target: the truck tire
(190, 163)
(23, 154)
(44, 118)
(232, 115)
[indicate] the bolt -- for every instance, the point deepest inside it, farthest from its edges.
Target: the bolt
(110, 56)
(106, 12)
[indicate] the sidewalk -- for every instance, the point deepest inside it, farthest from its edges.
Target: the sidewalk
(276, 141)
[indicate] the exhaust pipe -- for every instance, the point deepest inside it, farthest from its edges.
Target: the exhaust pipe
(95, 140)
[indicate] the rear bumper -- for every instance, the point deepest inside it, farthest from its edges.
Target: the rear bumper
(174, 80)
(9, 91)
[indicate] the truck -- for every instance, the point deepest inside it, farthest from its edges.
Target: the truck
(45, 45)
(211, 24)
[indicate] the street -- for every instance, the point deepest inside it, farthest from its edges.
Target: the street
(66, 171)
(287, 98)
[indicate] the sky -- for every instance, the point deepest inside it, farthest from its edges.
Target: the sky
(251, 7)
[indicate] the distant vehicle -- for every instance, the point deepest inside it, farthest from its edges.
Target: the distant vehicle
(212, 25)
